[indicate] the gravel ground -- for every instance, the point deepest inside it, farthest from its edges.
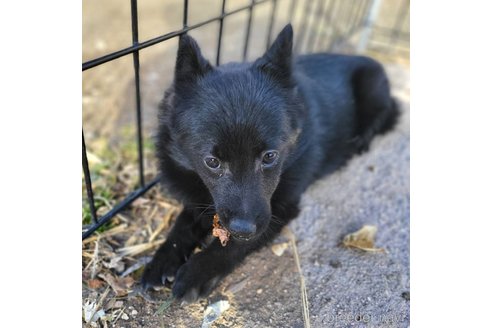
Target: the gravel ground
(344, 284)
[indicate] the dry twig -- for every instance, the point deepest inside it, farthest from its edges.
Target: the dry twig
(304, 298)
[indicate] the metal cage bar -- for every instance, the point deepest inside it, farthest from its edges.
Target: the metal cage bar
(314, 16)
(272, 22)
(119, 207)
(330, 13)
(248, 30)
(126, 51)
(399, 20)
(302, 32)
(88, 183)
(221, 26)
(292, 10)
(337, 14)
(321, 22)
(136, 68)
(185, 14)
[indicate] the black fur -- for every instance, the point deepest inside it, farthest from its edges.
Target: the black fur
(315, 111)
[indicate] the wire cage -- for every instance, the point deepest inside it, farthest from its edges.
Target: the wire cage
(350, 26)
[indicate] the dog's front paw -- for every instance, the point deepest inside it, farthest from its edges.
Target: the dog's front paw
(163, 266)
(196, 278)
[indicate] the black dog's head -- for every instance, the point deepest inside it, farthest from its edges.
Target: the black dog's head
(235, 126)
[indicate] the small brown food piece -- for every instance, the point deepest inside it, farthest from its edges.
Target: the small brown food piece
(219, 231)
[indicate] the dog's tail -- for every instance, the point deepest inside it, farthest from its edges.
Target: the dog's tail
(377, 112)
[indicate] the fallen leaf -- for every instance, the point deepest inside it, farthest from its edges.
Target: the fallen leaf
(89, 310)
(140, 202)
(90, 313)
(279, 249)
(114, 304)
(94, 283)
(120, 285)
(99, 315)
(115, 263)
(362, 239)
(219, 231)
(213, 312)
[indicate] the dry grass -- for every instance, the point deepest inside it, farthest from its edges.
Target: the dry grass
(113, 258)
(304, 297)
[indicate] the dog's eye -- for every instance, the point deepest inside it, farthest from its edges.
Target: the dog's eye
(212, 162)
(269, 158)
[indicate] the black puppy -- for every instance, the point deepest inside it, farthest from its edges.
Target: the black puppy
(246, 140)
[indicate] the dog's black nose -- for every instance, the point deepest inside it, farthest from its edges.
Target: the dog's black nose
(242, 228)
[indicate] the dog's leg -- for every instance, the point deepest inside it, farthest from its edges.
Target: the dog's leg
(377, 111)
(185, 235)
(204, 270)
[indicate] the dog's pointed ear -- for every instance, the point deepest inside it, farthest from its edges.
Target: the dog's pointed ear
(277, 61)
(190, 64)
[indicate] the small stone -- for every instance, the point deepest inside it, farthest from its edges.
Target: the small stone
(406, 296)
(134, 312)
(213, 312)
(259, 291)
(334, 263)
(279, 249)
(125, 316)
